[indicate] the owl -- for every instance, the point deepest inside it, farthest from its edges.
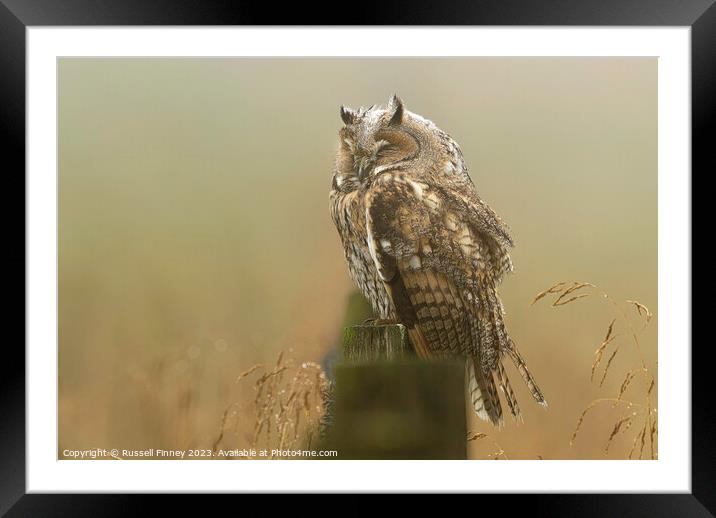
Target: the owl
(423, 248)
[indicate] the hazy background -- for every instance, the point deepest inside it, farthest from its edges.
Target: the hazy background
(195, 238)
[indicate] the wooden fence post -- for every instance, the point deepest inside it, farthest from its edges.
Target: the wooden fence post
(388, 404)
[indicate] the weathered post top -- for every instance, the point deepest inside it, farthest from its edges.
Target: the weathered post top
(388, 404)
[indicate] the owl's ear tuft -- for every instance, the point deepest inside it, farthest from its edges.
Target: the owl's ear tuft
(395, 109)
(347, 115)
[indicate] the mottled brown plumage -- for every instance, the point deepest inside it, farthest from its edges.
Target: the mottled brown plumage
(422, 246)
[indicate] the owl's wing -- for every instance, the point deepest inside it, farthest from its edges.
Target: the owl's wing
(440, 255)
(415, 227)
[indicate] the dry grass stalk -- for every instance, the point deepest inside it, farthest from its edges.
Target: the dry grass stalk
(625, 384)
(641, 309)
(222, 429)
(496, 455)
(287, 404)
(249, 371)
(580, 420)
(560, 301)
(645, 410)
(600, 350)
(552, 289)
(634, 443)
(609, 363)
(610, 330)
(643, 440)
(622, 425)
(563, 292)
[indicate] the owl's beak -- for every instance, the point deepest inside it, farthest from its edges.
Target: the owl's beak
(365, 166)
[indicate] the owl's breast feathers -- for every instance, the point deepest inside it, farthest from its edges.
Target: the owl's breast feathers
(348, 213)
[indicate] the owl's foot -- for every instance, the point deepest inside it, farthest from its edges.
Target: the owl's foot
(379, 321)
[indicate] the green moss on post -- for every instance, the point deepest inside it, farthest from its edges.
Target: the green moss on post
(391, 405)
(367, 343)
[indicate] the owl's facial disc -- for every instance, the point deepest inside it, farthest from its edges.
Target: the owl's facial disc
(372, 141)
(375, 155)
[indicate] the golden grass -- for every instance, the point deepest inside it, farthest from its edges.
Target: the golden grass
(287, 407)
(641, 407)
(497, 454)
(289, 400)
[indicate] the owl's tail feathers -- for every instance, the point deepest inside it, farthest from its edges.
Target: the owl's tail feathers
(525, 373)
(420, 343)
(483, 393)
(504, 382)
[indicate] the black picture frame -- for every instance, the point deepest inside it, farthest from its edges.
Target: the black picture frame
(17, 15)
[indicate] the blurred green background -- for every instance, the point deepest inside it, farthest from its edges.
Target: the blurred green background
(195, 238)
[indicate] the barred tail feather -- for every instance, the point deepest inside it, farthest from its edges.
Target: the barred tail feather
(483, 393)
(525, 373)
(420, 344)
(494, 343)
(504, 382)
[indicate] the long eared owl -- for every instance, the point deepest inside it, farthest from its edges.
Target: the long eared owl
(423, 247)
